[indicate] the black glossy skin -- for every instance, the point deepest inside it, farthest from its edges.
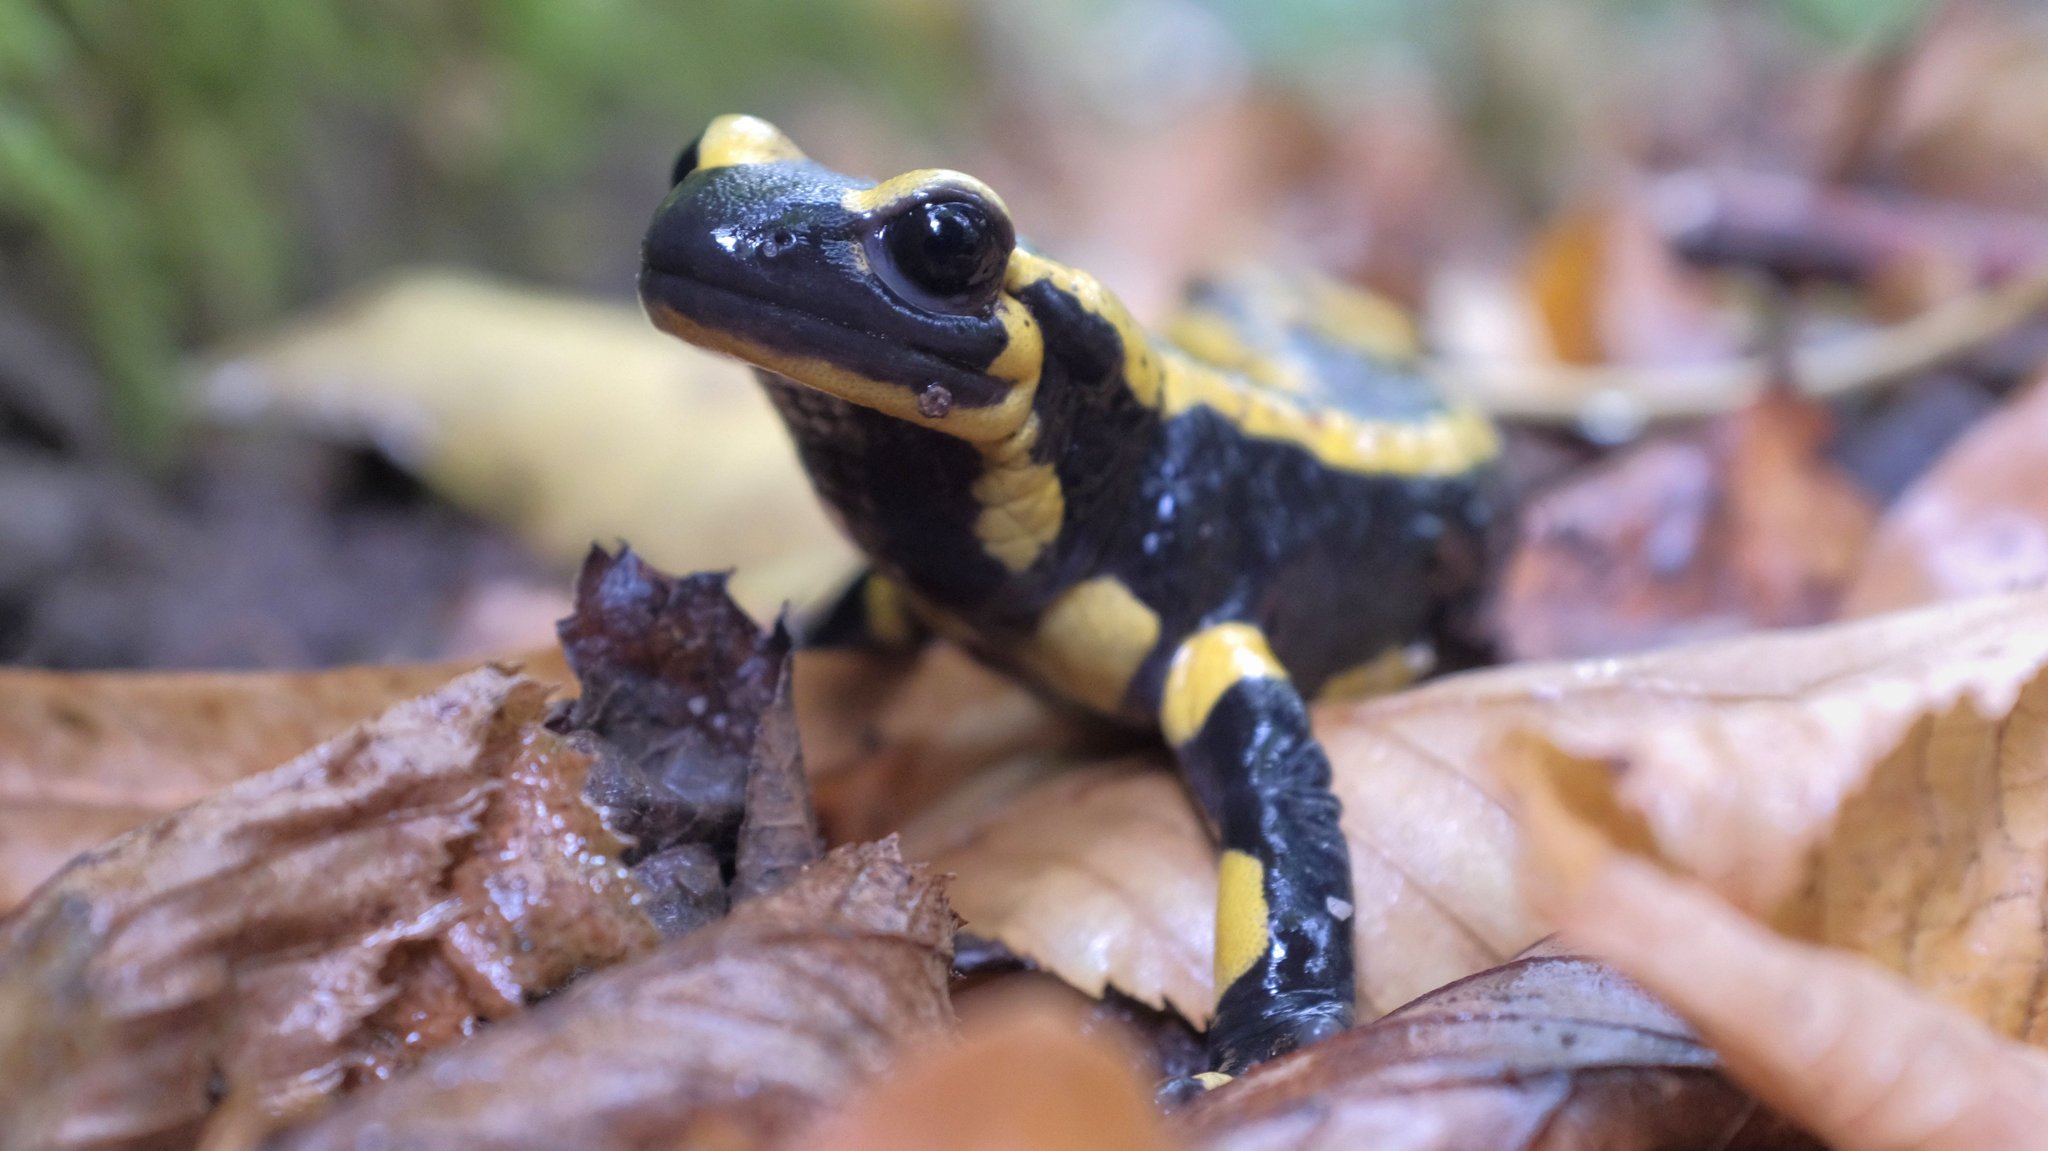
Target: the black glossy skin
(1200, 521)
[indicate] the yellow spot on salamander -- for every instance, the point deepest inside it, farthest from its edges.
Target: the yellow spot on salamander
(1391, 670)
(1142, 367)
(734, 140)
(888, 616)
(1211, 1080)
(1204, 667)
(1090, 642)
(1241, 917)
(1022, 504)
(1448, 444)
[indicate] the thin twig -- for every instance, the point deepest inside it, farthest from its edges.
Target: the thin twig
(1551, 393)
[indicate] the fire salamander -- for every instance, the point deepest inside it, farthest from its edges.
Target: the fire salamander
(1197, 534)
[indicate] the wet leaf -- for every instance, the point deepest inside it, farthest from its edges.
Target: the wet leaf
(731, 1037)
(571, 420)
(1852, 1052)
(315, 924)
(1551, 1051)
(778, 835)
(86, 757)
(1976, 523)
(687, 710)
(1687, 537)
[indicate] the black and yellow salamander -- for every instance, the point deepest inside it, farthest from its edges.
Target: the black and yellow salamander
(1196, 535)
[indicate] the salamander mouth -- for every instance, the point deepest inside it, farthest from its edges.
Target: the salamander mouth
(809, 348)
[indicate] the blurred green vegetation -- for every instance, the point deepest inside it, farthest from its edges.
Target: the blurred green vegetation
(175, 170)
(158, 159)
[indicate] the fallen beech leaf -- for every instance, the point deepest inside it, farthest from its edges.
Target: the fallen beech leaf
(1107, 876)
(731, 1037)
(1977, 522)
(1104, 876)
(1610, 290)
(1738, 753)
(1551, 1051)
(1869, 783)
(569, 419)
(885, 738)
(315, 923)
(85, 757)
(1687, 537)
(1850, 1051)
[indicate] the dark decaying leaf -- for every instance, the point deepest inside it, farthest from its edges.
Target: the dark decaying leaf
(315, 925)
(731, 1037)
(1550, 1052)
(1688, 536)
(779, 833)
(686, 711)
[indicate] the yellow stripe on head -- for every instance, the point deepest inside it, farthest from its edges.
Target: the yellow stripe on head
(735, 140)
(1243, 930)
(862, 201)
(1204, 667)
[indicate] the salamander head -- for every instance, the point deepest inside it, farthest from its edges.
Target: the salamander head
(893, 296)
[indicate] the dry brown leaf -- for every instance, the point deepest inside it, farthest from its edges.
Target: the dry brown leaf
(1877, 785)
(1025, 1079)
(1976, 523)
(1861, 1058)
(886, 738)
(323, 921)
(85, 757)
(1107, 877)
(731, 1037)
(1739, 755)
(1687, 537)
(1550, 1052)
(1610, 290)
(1104, 876)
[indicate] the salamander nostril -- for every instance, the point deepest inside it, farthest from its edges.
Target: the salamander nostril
(779, 241)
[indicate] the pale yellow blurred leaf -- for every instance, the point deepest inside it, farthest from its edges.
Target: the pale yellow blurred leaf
(571, 420)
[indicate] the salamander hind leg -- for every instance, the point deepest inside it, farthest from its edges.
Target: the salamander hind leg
(1283, 909)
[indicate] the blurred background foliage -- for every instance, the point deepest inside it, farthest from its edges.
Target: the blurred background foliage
(176, 172)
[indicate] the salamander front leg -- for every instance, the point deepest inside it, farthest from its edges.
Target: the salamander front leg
(871, 613)
(1283, 907)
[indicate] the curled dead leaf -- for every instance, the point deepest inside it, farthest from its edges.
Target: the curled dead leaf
(1551, 1051)
(312, 925)
(732, 1037)
(1875, 785)
(1850, 1051)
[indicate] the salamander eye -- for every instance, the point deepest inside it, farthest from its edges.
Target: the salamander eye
(686, 163)
(945, 255)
